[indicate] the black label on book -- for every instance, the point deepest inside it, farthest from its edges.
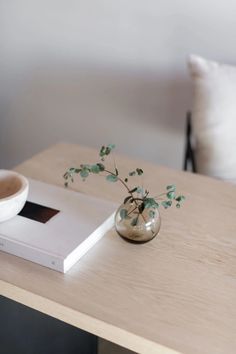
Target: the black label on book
(38, 212)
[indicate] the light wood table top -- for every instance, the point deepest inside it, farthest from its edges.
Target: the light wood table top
(175, 294)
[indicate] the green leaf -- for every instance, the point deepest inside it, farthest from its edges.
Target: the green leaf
(71, 169)
(139, 171)
(166, 203)
(177, 205)
(102, 151)
(134, 221)
(84, 173)
(171, 187)
(101, 167)
(112, 178)
(151, 213)
(170, 195)
(139, 190)
(85, 166)
(74, 170)
(156, 206)
(123, 213)
(180, 198)
(95, 169)
(133, 173)
(107, 151)
(150, 203)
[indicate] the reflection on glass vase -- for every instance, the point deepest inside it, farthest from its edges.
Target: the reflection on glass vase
(137, 225)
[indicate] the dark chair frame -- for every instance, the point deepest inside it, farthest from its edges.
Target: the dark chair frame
(189, 157)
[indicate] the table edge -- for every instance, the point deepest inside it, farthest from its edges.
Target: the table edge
(83, 321)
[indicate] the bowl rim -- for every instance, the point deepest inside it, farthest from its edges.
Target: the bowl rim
(24, 186)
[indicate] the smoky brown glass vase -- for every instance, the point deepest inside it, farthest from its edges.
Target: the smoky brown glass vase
(134, 226)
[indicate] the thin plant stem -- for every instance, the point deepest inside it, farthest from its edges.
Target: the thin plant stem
(129, 191)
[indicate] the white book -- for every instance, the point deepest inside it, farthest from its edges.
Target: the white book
(57, 226)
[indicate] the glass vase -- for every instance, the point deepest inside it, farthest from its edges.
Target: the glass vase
(135, 226)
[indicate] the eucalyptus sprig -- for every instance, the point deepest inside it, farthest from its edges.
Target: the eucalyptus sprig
(136, 195)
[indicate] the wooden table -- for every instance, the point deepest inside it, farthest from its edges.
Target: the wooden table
(176, 294)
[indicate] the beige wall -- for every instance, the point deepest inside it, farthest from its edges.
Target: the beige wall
(95, 72)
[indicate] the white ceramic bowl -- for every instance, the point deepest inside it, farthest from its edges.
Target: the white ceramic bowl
(14, 190)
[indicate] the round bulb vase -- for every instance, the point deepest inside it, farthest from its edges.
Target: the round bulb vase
(135, 226)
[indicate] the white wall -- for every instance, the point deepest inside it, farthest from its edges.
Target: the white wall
(95, 72)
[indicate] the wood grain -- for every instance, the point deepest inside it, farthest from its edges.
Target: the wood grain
(176, 294)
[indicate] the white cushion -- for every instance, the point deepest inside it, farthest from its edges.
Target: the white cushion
(214, 117)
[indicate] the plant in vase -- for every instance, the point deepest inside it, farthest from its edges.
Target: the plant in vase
(138, 218)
